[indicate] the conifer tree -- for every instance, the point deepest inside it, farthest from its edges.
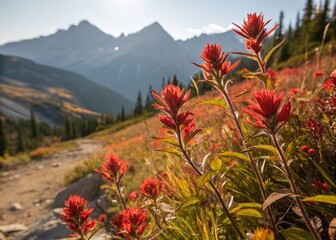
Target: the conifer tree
(122, 114)
(306, 20)
(3, 138)
(20, 145)
(33, 125)
(138, 109)
(175, 82)
(278, 34)
(67, 127)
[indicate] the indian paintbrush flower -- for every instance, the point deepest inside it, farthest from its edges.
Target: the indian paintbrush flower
(215, 65)
(266, 111)
(113, 169)
(132, 221)
(151, 187)
(77, 216)
(254, 31)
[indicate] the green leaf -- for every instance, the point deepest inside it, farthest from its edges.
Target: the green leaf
(248, 212)
(189, 202)
(204, 178)
(246, 55)
(269, 54)
(195, 85)
(216, 164)
(240, 206)
(330, 199)
(325, 175)
(191, 135)
(170, 141)
(171, 151)
(275, 196)
(213, 101)
(267, 148)
(296, 234)
(234, 154)
(292, 146)
(259, 75)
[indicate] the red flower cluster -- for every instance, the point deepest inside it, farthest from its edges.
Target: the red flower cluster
(265, 112)
(331, 83)
(77, 216)
(254, 31)
(151, 188)
(323, 186)
(113, 169)
(132, 221)
(314, 128)
(172, 99)
(306, 149)
(134, 195)
(215, 65)
(318, 73)
(272, 75)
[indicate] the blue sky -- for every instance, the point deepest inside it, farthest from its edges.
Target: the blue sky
(22, 19)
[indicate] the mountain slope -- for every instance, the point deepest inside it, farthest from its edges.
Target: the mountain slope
(50, 92)
(126, 64)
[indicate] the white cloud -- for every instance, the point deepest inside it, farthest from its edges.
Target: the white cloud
(209, 29)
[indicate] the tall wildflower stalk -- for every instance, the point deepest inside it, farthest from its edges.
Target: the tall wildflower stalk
(215, 69)
(269, 114)
(183, 128)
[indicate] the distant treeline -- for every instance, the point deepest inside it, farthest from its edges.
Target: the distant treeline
(306, 35)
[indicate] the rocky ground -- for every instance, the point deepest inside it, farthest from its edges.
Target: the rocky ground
(28, 192)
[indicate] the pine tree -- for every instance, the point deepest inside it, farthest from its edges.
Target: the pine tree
(318, 23)
(3, 138)
(138, 109)
(122, 114)
(306, 20)
(297, 26)
(333, 23)
(278, 35)
(175, 82)
(33, 125)
(20, 145)
(67, 127)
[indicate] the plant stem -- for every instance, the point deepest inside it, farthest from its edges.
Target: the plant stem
(293, 187)
(120, 196)
(217, 193)
(261, 66)
(253, 164)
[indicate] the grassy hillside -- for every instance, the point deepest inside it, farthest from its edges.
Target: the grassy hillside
(51, 91)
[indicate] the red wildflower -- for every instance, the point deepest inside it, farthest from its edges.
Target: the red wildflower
(323, 186)
(318, 73)
(253, 45)
(311, 151)
(304, 148)
(113, 169)
(172, 99)
(102, 218)
(272, 75)
(151, 187)
(132, 221)
(314, 128)
(331, 83)
(76, 215)
(294, 90)
(265, 111)
(134, 195)
(215, 64)
(254, 31)
(212, 53)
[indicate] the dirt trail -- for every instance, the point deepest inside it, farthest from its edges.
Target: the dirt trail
(35, 185)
